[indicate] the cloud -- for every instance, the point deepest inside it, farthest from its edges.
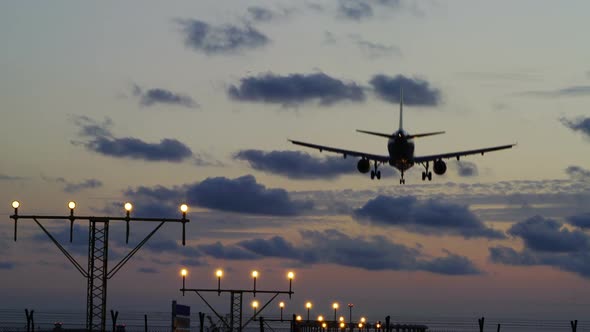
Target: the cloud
(578, 173)
(74, 187)
(375, 50)
(582, 221)
(581, 124)
(334, 247)
(547, 243)
(244, 195)
(431, 217)
(466, 168)
(4, 177)
(296, 164)
(261, 14)
(295, 89)
(148, 270)
(416, 91)
(571, 91)
(541, 234)
(355, 9)
(155, 96)
(241, 195)
(99, 139)
(7, 265)
(220, 251)
(222, 39)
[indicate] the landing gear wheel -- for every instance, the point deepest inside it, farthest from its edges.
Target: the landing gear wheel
(378, 175)
(372, 175)
(402, 181)
(429, 176)
(424, 176)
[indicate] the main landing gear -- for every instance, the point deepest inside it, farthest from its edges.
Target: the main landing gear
(375, 173)
(426, 174)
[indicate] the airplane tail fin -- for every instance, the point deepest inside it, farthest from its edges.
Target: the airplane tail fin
(401, 108)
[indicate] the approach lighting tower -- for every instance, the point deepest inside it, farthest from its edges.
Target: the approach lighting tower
(97, 273)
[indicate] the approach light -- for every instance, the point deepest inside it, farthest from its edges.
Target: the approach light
(342, 325)
(341, 318)
(128, 207)
(335, 305)
(183, 272)
(299, 317)
(184, 208)
(15, 204)
(281, 305)
(219, 273)
(324, 325)
(254, 274)
(363, 319)
(72, 205)
(360, 325)
(254, 304)
(290, 275)
(308, 305)
(320, 318)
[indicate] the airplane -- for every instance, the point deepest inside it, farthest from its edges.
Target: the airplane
(400, 147)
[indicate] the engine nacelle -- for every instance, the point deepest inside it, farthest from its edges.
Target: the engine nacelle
(440, 167)
(363, 165)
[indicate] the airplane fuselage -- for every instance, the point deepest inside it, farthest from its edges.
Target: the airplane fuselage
(401, 151)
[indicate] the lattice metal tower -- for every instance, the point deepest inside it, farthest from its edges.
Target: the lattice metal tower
(98, 273)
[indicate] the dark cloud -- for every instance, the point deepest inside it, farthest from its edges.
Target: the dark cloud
(155, 96)
(72, 187)
(582, 221)
(148, 270)
(426, 217)
(581, 124)
(548, 243)
(261, 14)
(7, 265)
(244, 195)
(335, 247)
(466, 168)
(4, 177)
(416, 91)
(209, 39)
(578, 173)
(295, 89)
(220, 251)
(193, 262)
(376, 50)
(296, 164)
(541, 234)
(355, 9)
(99, 139)
(572, 91)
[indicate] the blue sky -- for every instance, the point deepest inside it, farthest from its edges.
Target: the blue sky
(162, 103)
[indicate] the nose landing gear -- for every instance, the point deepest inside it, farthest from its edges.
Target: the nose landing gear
(402, 180)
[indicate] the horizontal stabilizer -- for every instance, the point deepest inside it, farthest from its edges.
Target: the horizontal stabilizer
(425, 134)
(374, 133)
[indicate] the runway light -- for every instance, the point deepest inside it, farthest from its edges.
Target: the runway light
(72, 205)
(15, 204)
(128, 207)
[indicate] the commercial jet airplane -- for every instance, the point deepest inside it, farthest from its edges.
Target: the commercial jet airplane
(401, 152)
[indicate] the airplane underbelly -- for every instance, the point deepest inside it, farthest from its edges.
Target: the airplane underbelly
(401, 155)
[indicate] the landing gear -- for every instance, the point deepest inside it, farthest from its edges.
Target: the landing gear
(426, 174)
(375, 173)
(402, 180)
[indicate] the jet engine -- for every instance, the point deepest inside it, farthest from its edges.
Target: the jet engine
(440, 167)
(363, 165)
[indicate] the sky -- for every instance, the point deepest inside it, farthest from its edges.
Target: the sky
(160, 103)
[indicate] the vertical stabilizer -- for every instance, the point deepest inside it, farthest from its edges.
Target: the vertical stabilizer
(401, 108)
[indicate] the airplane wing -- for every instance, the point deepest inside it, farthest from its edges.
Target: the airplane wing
(459, 154)
(383, 159)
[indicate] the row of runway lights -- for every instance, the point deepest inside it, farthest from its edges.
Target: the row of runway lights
(127, 206)
(308, 305)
